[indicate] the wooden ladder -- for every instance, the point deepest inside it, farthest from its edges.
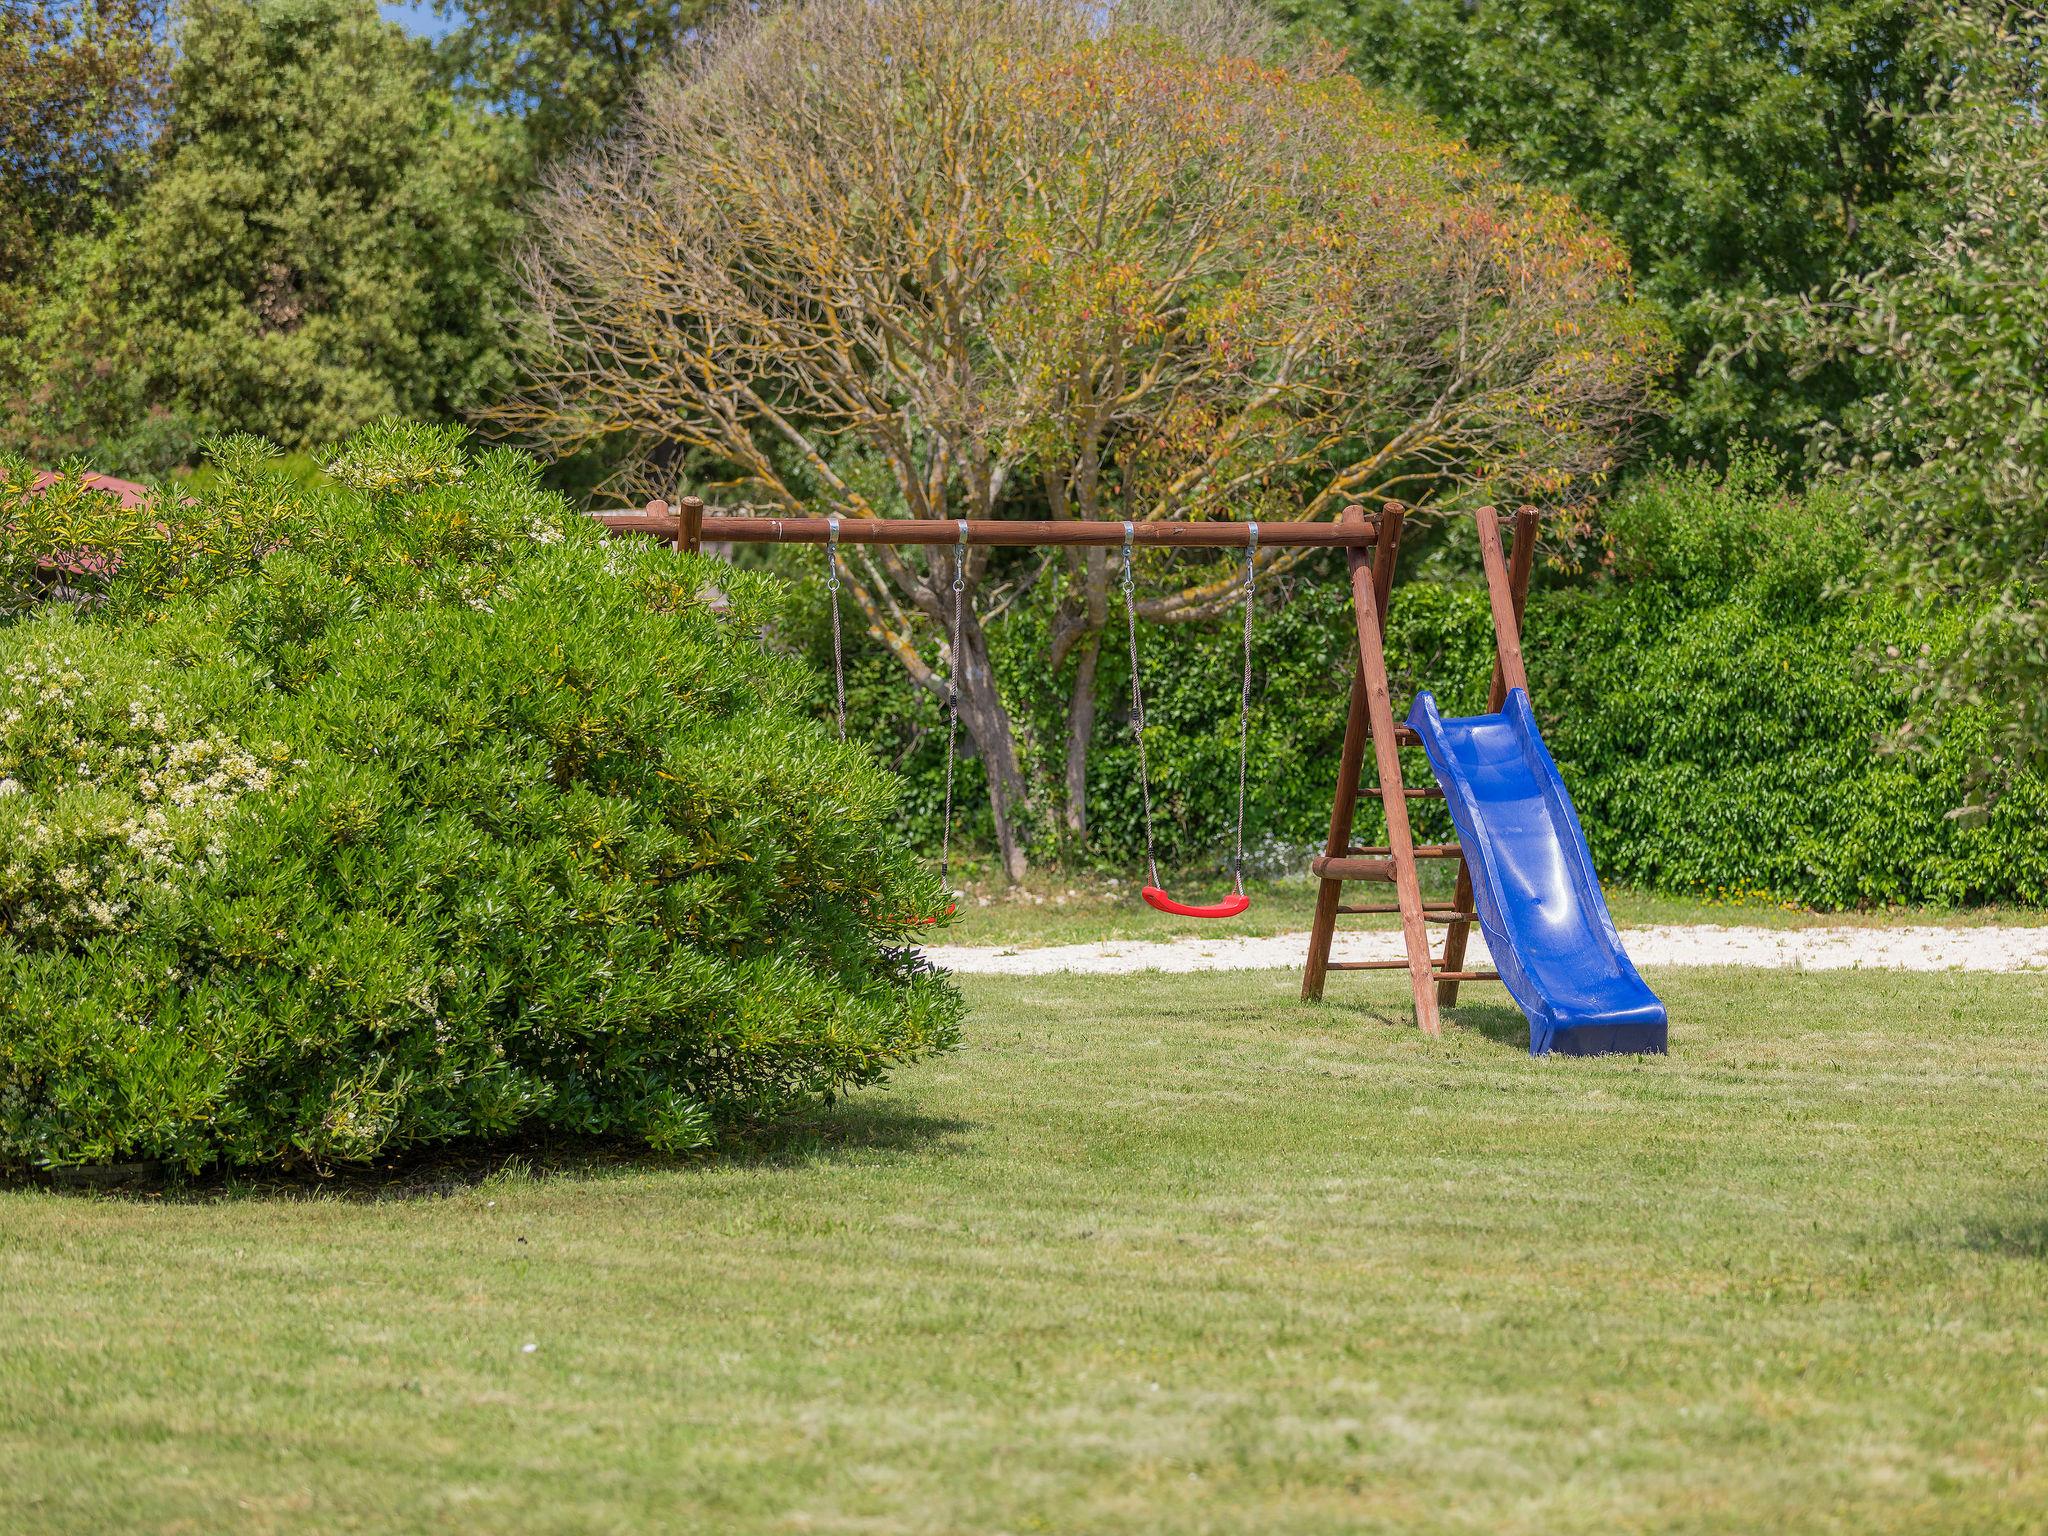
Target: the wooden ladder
(1371, 719)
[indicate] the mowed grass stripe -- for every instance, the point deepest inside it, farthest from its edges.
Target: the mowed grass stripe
(1150, 1254)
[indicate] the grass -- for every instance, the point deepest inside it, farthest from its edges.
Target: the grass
(1083, 908)
(1169, 1255)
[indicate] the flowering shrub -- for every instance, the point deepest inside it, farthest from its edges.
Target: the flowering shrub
(105, 797)
(412, 813)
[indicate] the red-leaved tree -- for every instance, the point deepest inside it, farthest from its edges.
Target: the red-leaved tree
(988, 258)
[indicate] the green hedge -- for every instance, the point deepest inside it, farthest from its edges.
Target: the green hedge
(1722, 705)
(1715, 691)
(339, 821)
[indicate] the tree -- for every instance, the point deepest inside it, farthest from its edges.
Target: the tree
(320, 247)
(81, 83)
(565, 68)
(81, 93)
(1020, 257)
(1742, 150)
(1949, 455)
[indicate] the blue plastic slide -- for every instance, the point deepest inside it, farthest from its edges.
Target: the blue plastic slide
(1533, 885)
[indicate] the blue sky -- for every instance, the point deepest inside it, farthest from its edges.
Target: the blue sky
(416, 16)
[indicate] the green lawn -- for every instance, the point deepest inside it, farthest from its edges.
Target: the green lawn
(1153, 1255)
(1077, 909)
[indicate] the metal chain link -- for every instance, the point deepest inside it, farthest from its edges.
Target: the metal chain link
(953, 701)
(1129, 585)
(832, 586)
(1244, 708)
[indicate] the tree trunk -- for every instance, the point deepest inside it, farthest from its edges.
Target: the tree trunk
(1080, 732)
(1093, 569)
(988, 722)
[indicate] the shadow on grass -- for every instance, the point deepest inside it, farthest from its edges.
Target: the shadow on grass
(850, 1129)
(2019, 1234)
(862, 1127)
(1501, 1023)
(2013, 1228)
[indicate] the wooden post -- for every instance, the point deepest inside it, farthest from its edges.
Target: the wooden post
(1521, 560)
(1379, 707)
(1351, 763)
(690, 524)
(1507, 623)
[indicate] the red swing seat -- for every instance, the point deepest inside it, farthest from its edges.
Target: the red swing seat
(1230, 906)
(1155, 896)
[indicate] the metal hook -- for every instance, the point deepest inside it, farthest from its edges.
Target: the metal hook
(960, 557)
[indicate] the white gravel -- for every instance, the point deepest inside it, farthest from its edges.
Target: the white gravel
(1788, 949)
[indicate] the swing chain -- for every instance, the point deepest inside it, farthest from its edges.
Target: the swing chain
(832, 586)
(1129, 586)
(1244, 707)
(953, 701)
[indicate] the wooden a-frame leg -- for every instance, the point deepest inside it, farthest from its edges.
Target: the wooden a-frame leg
(1357, 730)
(1458, 934)
(1387, 758)
(1386, 550)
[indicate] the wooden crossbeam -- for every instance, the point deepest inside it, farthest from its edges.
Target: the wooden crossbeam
(689, 526)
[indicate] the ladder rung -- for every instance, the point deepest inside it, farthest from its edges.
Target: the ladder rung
(1403, 737)
(1401, 965)
(1373, 792)
(1434, 911)
(1326, 868)
(1422, 850)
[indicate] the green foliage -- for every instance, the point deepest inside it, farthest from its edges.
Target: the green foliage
(1740, 150)
(1948, 456)
(404, 810)
(81, 96)
(1720, 703)
(76, 377)
(80, 84)
(317, 249)
(564, 68)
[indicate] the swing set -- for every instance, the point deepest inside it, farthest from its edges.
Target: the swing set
(1155, 894)
(1372, 544)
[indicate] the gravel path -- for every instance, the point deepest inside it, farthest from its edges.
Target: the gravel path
(1791, 949)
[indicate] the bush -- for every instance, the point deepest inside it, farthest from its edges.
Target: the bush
(1723, 704)
(408, 810)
